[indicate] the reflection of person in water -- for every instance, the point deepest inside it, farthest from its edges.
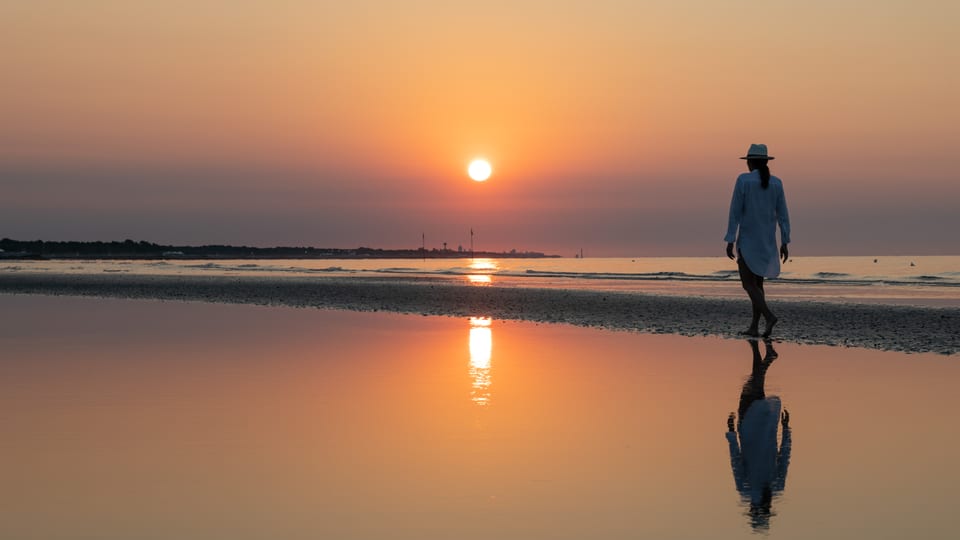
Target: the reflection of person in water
(759, 468)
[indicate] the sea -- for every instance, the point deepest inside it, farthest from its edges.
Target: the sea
(900, 280)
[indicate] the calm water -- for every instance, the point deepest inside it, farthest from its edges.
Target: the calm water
(893, 280)
(134, 419)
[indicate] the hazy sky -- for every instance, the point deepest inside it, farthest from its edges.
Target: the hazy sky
(612, 126)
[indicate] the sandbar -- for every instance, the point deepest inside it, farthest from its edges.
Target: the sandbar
(881, 327)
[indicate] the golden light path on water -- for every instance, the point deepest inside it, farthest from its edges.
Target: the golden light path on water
(477, 279)
(484, 265)
(481, 350)
(480, 270)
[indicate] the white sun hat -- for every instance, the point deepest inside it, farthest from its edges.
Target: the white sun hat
(757, 151)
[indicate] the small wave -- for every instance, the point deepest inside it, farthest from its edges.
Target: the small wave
(399, 270)
(827, 275)
(458, 271)
(930, 278)
(647, 276)
(936, 283)
(319, 270)
(250, 267)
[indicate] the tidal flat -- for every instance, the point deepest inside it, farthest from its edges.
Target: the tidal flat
(148, 419)
(875, 326)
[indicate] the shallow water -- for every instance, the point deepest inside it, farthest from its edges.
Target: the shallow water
(140, 419)
(924, 281)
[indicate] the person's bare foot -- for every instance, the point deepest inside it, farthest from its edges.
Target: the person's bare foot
(768, 329)
(771, 354)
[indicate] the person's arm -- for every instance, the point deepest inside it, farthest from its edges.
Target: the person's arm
(736, 213)
(736, 461)
(783, 218)
(783, 457)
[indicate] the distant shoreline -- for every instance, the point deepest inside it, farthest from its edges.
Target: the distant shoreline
(386, 255)
(141, 250)
(881, 327)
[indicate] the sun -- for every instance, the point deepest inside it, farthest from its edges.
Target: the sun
(479, 170)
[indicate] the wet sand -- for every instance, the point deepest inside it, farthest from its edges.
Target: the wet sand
(895, 328)
(153, 420)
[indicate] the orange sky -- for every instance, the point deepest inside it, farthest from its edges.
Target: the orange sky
(613, 126)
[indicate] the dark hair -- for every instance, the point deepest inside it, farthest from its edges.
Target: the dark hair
(764, 175)
(761, 165)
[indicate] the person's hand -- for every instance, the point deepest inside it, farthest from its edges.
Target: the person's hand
(730, 422)
(784, 253)
(730, 251)
(785, 418)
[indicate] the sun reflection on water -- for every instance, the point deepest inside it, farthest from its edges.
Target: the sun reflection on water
(481, 350)
(480, 270)
(484, 265)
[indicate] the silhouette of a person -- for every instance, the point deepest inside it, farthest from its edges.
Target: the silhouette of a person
(759, 467)
(757, 207)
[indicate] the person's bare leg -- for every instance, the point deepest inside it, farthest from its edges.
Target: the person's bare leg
(755, 318)
(759, 308)
(749, 283)
(771, 320)
(767, 314)
(753, 284)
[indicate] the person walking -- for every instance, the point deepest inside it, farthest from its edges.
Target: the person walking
(757, 207)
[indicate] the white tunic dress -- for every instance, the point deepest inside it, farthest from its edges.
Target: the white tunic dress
(757, 463)
(756, 212)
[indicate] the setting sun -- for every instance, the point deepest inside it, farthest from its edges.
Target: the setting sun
(479, 170)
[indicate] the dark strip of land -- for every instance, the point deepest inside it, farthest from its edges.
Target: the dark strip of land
(129, 249)
(897, 328)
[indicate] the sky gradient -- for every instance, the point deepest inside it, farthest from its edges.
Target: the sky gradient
(612, 126)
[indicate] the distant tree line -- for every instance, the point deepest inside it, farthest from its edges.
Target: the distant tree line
(130, 249)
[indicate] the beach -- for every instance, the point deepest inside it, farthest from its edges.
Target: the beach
(479, 271)
(147, 419)
(882, 327)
